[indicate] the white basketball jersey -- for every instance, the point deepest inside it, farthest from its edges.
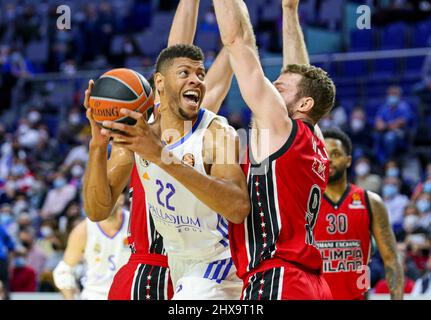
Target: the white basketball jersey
(189, 228)
(103, 256)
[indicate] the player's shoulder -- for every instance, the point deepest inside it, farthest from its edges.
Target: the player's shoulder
(79, 232)
(375, 199)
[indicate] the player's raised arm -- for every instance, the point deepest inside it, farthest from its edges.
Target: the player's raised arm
(382, 232)
(63, 274)
(294, 47)
(258, 92)
(183, 27)
(104, 179)
(219, 80)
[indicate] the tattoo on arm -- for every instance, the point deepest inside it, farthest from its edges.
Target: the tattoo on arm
(386, 244)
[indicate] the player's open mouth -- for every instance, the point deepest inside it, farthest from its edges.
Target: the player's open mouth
(192, 97)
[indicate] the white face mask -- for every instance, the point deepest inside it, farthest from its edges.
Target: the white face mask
(77, 171)
(46, 231)
(410, 223)
(362, 169)
(357, 124)
(34, 116)
(74, 118)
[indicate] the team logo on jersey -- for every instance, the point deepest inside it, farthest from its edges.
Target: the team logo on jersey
(319, 168)
(97, 248)
(356, 202)
(145, 163)
(189, 159)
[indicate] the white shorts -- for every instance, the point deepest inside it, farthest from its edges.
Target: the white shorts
(197, 280)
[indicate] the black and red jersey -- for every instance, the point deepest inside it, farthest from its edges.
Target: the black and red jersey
(343, 235)
(285, 190)
(143, 237)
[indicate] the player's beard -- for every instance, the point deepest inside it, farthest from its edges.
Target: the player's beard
(337, 176)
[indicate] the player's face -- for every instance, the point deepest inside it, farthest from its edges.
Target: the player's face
(339, 161)
(185, 87)
(287, 84)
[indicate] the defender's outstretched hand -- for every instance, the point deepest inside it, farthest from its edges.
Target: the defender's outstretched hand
(139, 138)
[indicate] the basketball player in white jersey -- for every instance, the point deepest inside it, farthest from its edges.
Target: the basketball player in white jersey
(103, 248)
(191, 197)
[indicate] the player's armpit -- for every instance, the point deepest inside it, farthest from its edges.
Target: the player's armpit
(222, 149)
(386, 244)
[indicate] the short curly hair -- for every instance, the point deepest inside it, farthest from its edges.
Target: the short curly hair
(316, 84)
(337, 134)
(167, 55)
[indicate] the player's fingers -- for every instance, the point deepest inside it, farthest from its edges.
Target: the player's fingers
(115, 135)
(130, 130)
(139, 117)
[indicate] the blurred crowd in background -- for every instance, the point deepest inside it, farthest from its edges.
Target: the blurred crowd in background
(43, 156)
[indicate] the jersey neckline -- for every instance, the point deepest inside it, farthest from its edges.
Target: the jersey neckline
(188, 134)
(340, 201)
(123, 218)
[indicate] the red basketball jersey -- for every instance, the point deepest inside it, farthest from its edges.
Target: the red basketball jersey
(285, 192)
(344, 238)
(143, 237)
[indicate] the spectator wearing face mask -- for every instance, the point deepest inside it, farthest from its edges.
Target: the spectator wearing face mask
(23, 276)
(35, 257)
(423, 187)
(411, 223)
(58, 197)
(392, 170)
(394, 201)
(391, 125)
(364, 178)
(359, 131)
(423, 203)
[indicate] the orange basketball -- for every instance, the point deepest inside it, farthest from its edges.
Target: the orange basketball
(117, 89)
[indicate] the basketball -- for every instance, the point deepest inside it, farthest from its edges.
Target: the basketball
(117, 89)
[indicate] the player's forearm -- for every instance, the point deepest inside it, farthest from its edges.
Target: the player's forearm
(219, 80)
(232, 20)
(97, 193)
(183, 27)
(395, 278)
(294, 47)
(222, 196)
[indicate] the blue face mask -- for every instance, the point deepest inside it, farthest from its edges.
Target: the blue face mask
(389, 190)
(393, 172)
(19, 262)
(423, 205)
(393, 100)
(427, 187)
(59, 183)
(5, 219)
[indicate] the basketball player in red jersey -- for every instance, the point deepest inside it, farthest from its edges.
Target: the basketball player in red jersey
(295, 51)
(274, 248)
(146, 275)
(348, 217)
